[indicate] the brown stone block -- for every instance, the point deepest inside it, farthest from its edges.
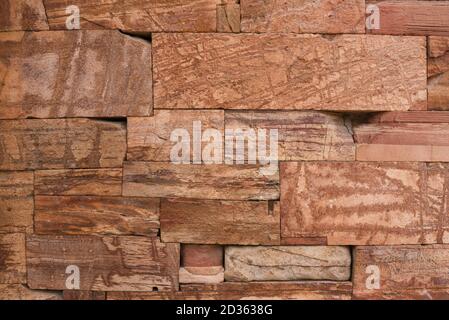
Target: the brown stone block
(289, 71)
(20, 15)
(13, 267)
(59, 74)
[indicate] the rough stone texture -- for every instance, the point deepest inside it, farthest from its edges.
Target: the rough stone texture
(16, 202)
(105, 263)
(138, 15)
(96, 215)
(304, 135)
(405, 271)
(149, 137)
(83, 295)
(408, 17)
(91, 182)
(287, 263)
(216, 181)
(61, 143)
(201, 274)
(12, 258)
(363, 203)
(297, 290)
(22, 15)
(219, 222)
(410, 117)
(438, 73)
(199, 255)
(74, 74)
(402, 142)
(287, 71)
(21, 292)
(228, 17)
(322, 16)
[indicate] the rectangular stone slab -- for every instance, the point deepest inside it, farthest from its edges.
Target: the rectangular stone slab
(302, 135)
(61, 143)
(408, 17)
(365, 203)
(22, 15)
(57, 74)
(105, 263)
(289, 71)
(96, 215)
(149, 138)
(219, 222)
(438, 73)
(411, 116)
(298, 16)
(138, 16)
(83, 182)
(22, 292)
(294, 290)
(16, 201)
(287, 263)
(12, 258)
(406, 271)
(217, 181)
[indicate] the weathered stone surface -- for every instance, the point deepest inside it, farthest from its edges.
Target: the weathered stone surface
(74, 74)
(61, 143)
(228, 17)
(140, 15)
(216, 181)
(438, 73)
(402, 141)
(219, 222)
(22, 15)
(434, 134)
(392, 152)
(201, 274)
(411, 271)
(201, 255)
(16, 202)
(410, 117)
(96, 215)
(297, 290)
(149, 137)
(408, 17)
(322, 16)
(90, 182)
(12, 258)
(363, 203)
(304, 135)
(21, 292)
(83, 295)
(287, 263)
(105, 263)
(288, 71)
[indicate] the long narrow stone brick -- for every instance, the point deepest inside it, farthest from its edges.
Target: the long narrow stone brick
(288, 71)
(287, 263)
(84, 215)
(105, 263)
(322, 16)
(73, 73)
(409, 17)
(138, 16)
(294, 290)
(61, 143)
(214, 181)
(219, 222)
